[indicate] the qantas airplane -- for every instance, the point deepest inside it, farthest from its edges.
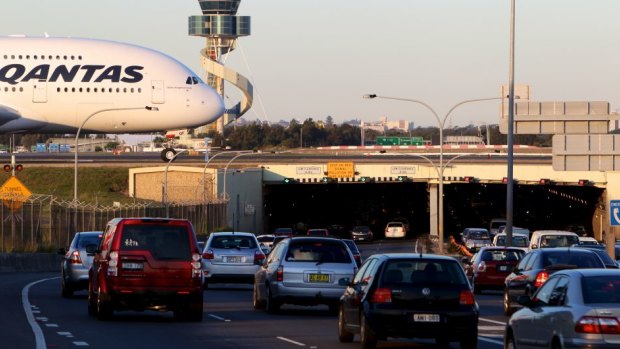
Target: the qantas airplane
(57, 85)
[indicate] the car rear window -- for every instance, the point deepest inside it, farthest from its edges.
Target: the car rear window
(479, 235)
(395, 225)
(600, 289)
(88, 240)
(318, 251)
(517, 241)
(165, 242)
(233, 241)
(501, 255)
(423, 272)
(558, 240)
(573, 259)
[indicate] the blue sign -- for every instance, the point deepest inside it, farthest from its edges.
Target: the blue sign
(614, 212)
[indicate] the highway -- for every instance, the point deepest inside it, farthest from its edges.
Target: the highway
(229, 321)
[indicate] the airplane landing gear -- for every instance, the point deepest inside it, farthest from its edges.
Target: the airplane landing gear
(167, 154)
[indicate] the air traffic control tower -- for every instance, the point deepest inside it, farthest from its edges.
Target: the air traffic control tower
(220, 25)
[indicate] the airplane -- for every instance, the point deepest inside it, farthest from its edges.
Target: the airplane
(61, 85)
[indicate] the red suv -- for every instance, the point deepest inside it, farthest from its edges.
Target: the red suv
(147, 264)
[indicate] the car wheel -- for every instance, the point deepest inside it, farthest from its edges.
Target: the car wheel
(67, 291)
(104, 308)
(470, 341)
(92, 302)
(257, 303)
(510, 342)
(556, 344)
(196, 308)
(368, 338)
(508, 309)
(272, 305)
(344, 336)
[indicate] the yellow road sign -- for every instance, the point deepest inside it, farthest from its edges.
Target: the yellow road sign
(340, 169)
(13, 192)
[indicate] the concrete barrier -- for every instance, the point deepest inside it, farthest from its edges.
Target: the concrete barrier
(29, 262)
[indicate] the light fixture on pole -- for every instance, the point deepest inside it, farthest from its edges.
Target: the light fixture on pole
(164, 193)
(204, 171)
(441, 123)
(77, 136)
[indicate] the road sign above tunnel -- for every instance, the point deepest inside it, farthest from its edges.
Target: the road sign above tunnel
(586, 152)
(340, 169)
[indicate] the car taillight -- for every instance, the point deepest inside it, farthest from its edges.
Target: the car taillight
(358, 258)
(466, 297)
(541, 277)
(196, 265)
(382, 295)
(113, 264)
(598, 324)
(208, 254)
(75, 258)
(280, 274)
(259, 257)
(482, 267)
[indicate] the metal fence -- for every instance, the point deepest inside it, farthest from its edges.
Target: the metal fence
(43, 223)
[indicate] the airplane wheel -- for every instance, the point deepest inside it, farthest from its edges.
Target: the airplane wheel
(167, 154)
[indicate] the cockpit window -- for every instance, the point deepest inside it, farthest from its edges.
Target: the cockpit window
(192, 80)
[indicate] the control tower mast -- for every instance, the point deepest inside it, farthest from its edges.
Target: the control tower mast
(221, 27)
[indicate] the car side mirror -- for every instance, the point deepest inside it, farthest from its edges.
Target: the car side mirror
(91, 249)
(344, 282)
(62, 251)
(525, 301)
(534, 246)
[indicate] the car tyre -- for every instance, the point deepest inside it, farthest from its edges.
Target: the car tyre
(470, 341)
(344, 336)
(368, 338)
(508, 309)
(104, 308)
(67, 291)
(92, 302)
(510, 342)
(271, 305)
(257, 303)
(477, 289)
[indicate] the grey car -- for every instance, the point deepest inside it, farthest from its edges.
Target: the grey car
(231, 257)
(304, 271)
(577, 308)
(77, 260)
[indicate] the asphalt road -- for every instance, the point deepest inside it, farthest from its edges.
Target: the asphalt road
(229, 321)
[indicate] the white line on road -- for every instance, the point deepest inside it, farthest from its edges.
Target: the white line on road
(493, 321)
(38, 333)
(219, 318)
(490, 340)
(291, 341)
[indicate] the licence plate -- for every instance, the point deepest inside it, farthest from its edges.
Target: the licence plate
(234, 259)
(426, 317)
(133, 266)
(318, 278)
(503, 268)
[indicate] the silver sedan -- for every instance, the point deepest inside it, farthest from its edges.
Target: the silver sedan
(577, 308)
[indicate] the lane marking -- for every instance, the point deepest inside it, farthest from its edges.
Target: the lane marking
(491, 341)
(291, 341)
(51, 325)
(65, 334)
(491, 328)
(81, 344)
(28, 309)
(493, 321)
(219, 318)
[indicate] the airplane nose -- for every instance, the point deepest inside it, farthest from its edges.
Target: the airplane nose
(213, 104)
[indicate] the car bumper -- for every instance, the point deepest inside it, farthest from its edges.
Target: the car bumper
(400, 323)
(76, 275)
(306, 295)
(230, 274)
(361, 237)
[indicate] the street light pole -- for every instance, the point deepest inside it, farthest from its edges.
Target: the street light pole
(164, 194)
(510, 136)
(77, 136)
(441, 123)
(204, 171)
(224, 192)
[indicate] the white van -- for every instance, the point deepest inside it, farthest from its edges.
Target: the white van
(553, 238)
(495, 224)
(519, 240)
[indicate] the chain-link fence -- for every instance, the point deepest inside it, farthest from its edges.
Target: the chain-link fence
(43, 223)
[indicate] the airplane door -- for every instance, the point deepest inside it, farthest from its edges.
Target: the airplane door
(39, 92)
(157, 90)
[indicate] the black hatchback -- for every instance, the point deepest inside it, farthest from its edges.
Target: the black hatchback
(409, 296)
(536, 267)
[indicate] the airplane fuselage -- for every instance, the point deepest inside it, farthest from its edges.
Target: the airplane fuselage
(56, 85)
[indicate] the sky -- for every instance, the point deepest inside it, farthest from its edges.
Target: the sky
(317, 58)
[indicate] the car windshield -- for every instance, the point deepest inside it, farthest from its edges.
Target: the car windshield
(233, 241)
(579, 260)
(163, 241)
(361, 229)
(558, 240)
(600, 289)
(517, 241)
(423, 272)
(318, 251)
